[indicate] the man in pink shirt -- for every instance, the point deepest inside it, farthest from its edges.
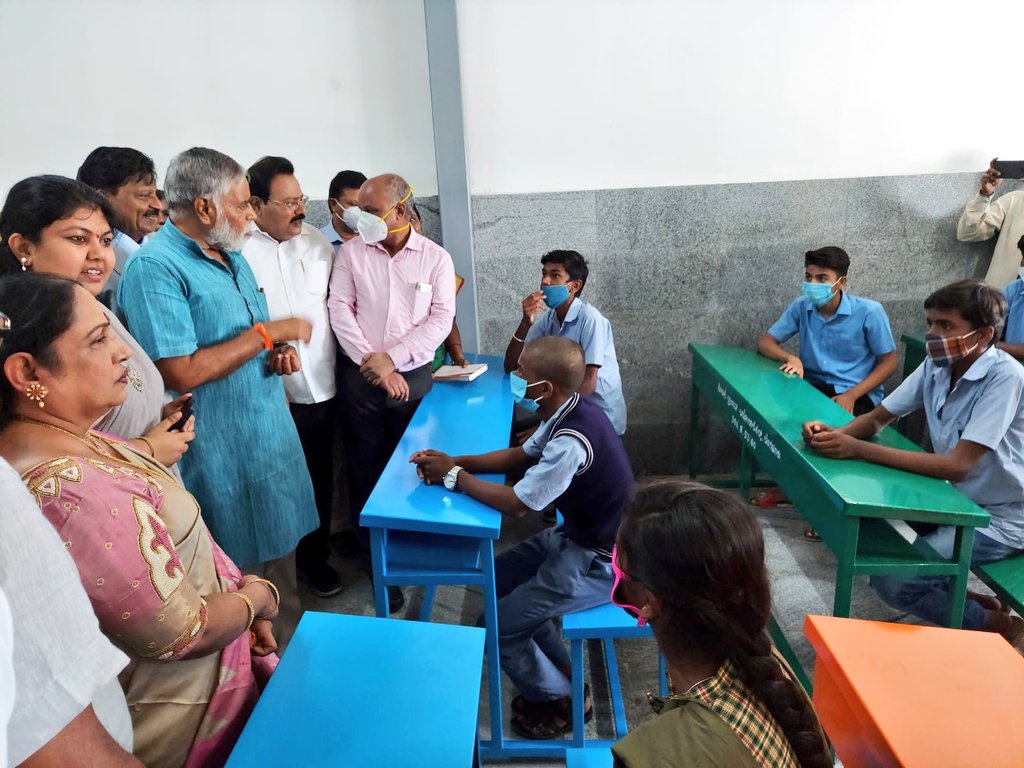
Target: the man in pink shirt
(391, 304)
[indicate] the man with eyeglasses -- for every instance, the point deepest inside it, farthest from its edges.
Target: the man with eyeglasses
(343, 201)
(292, 263)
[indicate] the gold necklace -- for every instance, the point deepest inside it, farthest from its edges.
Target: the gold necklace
(89, 440)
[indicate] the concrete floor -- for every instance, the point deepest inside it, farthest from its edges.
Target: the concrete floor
(803, 579)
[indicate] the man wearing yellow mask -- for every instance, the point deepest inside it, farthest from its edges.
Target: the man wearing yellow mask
(391, 304)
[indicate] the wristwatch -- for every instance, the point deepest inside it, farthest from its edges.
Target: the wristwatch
(451, 478)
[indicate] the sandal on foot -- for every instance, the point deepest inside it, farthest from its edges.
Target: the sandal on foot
(811, 535)
(521, 705)
(989, 602)
(770, 499)
(546, 719)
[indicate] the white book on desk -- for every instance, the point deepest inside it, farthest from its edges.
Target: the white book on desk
(458, 373)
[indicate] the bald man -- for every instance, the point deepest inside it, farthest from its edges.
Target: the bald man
(391, 305)
(576, 461)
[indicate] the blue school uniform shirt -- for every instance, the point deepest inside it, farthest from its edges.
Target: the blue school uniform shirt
(592, 331)
(246, 466)
(986, 407)
(1014, 294)
(842, 350)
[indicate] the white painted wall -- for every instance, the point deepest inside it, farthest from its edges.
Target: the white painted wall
(330, 84)
(592, 94)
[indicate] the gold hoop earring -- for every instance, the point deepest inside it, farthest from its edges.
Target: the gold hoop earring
(37, 393)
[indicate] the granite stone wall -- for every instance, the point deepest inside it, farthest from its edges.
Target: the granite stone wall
(713, 264)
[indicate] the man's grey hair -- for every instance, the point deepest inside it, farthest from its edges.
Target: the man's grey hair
(200, 172)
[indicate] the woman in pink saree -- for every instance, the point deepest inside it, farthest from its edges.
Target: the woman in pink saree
(198, 632)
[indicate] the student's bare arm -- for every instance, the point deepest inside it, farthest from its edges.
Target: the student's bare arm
(953, 466)
(494, 495)
(495, 462)
(185, 373)
(863, 427)
(771, 349)
(83, 743)
(589, 385)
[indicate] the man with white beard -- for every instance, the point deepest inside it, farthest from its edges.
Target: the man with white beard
(194, 305)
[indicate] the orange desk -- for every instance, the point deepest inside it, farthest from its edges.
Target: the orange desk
(902, 695)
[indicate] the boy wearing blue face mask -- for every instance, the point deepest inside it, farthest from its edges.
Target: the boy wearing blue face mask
(846, 344)
(576, 461)
(557, 310)
(972, 395)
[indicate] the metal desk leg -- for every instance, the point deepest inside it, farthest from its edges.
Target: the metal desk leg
(963, 546)
(846, 556)
(694, 429)
(380, 589)
(576, 656)
(490, 596)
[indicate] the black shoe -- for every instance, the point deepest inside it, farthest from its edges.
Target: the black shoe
(348, 545)
(323, 580)
(396, 600)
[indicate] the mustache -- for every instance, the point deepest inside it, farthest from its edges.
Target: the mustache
(300, 217)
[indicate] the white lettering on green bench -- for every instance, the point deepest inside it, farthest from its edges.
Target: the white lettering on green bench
(751, 432)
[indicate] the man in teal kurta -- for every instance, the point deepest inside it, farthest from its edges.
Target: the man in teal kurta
(194, 305)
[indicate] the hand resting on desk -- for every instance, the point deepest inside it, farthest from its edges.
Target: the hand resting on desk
(431, 466)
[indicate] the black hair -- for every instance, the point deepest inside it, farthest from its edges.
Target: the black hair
(345, 180)
(110, 168)
(573, 262)
(416, 210)
(35, 203)
(161, 196)
(264, 171)
(701, 552)
(41, 308)
(1020, 243)
(978, 303)
(830, 257)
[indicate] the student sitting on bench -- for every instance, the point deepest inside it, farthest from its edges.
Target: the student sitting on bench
(846, 344)
(972, 395)
(577, 461)
(690, 560)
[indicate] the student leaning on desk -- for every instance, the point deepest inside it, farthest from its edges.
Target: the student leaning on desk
(972, 395)
(576, 460)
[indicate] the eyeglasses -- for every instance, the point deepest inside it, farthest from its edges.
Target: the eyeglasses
(292, 205)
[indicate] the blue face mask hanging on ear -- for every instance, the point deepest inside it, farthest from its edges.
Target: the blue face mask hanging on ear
(555, 295)
(518, 385)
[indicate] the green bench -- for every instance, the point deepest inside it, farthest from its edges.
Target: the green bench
(1006, 579)
(849, 503)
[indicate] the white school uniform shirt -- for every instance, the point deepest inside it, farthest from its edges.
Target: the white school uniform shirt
(986, 407)
(294, 276)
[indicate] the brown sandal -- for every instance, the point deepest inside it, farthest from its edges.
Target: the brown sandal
(542, 720)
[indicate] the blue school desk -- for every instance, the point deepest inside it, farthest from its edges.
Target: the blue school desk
(424, 535)
(361, 691)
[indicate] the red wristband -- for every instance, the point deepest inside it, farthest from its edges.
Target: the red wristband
(268, 343)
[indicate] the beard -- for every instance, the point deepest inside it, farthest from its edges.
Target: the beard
(225, 238)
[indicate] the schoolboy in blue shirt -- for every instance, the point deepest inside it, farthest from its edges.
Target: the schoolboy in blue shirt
(557, 310)
(575, 460)
(972, 395)
(1013, 336)
(846, 345)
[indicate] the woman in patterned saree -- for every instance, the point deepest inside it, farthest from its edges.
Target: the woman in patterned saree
(198, 633)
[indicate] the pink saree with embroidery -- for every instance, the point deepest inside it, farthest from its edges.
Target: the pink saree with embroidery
(146, 559)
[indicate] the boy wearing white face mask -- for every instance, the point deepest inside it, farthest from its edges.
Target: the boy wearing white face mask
(557, 310)
(1013, 336)
(972, 395)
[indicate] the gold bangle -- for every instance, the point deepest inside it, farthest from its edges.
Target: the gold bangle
(273, 590)
(149, 445)
(251, 607)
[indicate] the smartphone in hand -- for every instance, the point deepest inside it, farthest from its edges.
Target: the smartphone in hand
(1010, 169)
(186, 412)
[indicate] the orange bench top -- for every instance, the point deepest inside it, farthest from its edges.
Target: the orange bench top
(899, 694)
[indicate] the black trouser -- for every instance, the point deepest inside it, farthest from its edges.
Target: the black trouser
(372, 425)
(861, 405)
(316, 425)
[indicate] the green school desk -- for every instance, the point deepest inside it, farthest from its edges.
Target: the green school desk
(848, 502)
